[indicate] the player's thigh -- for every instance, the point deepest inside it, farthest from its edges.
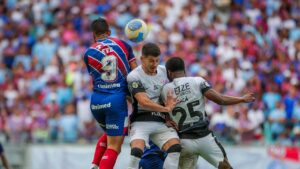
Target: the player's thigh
(164, 136)
(189, 146)
(211, 150)
(98, 110)
(141, 131)
(188, 161)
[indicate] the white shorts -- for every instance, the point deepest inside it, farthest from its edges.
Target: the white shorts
(158, 132)
(207, 147)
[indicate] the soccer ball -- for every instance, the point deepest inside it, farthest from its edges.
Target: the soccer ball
(136, 30)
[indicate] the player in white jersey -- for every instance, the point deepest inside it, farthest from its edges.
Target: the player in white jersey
(191, 119)
(148, 118)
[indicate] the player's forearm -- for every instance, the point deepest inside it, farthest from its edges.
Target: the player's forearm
(230, 100)
(149, 104)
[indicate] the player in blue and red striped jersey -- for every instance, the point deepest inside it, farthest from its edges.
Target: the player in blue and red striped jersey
(108, 61)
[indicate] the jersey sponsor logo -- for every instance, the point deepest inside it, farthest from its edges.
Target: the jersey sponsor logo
(109, 86)
(158, 114)
(100, 106)
(112, 126)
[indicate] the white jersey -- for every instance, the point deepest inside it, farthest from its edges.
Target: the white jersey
(139, 81)
(189, 113)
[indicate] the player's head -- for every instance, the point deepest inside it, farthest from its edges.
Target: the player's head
(175, 67)
(100, 28)
(150, 57)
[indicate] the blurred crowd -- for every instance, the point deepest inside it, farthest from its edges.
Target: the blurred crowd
(237, 45)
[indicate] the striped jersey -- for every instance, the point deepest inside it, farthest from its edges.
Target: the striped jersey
(107, 62)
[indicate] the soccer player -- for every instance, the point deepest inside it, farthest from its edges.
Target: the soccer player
(148, 117)
(3, 158)
(108, 61)
(191, 118)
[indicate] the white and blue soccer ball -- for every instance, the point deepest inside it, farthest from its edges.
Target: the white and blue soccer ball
(136, 30)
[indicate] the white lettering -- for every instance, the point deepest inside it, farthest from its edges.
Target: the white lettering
(100, 106)
(158, 114)
(108, 86)
(112, 126)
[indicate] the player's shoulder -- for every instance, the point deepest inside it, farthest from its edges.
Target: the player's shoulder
(193, 81)
(91, 48)
(135, 73)
(168, 86)
(197, 79)
(116, 39)
(203, 83)
(162, 70)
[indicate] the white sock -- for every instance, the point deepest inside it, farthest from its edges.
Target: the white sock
(134, 162)
(172, 161)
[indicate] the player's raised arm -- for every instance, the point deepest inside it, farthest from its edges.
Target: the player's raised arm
(221, 99)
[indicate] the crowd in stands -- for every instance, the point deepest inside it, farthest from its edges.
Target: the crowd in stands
(237, 45)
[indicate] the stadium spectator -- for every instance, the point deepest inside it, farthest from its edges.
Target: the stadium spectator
(68, 124)
(277, 120)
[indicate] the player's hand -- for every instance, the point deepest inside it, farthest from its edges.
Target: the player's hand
(249, 97)
(171, 123)
(171, 101)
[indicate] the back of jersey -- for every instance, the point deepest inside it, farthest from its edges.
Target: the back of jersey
(189, 112)
(108, 63)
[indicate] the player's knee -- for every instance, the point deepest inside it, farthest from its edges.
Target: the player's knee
(224, 164)
(174, 148)
(136, 152)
